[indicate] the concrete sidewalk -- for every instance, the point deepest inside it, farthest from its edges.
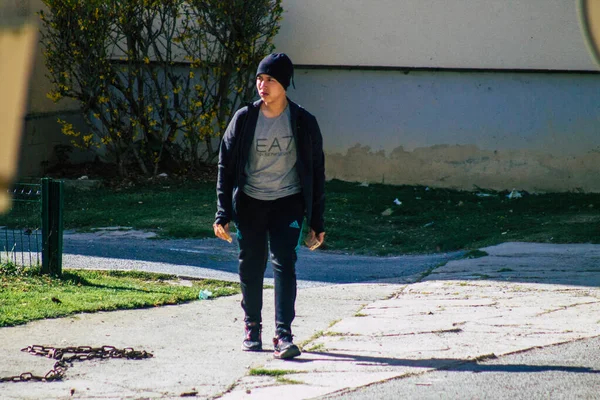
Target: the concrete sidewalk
(520, 296)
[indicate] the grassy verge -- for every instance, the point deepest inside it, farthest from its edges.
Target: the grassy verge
(359, 219)
(434, 220)
(27, 296)
(170, 209)
(364, 220)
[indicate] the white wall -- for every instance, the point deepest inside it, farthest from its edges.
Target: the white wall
(492, 110)
(501, 130)
(490, 34)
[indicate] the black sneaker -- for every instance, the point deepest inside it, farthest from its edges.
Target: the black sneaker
(285, 349)
(252, 339)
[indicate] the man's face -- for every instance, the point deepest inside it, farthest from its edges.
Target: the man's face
(269, 89)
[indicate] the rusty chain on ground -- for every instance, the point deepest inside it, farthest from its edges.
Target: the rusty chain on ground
(80, 353)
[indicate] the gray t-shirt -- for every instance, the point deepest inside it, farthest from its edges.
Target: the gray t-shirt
(271, 168)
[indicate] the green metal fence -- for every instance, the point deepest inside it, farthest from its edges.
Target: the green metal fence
(21, 227)
(31, 233)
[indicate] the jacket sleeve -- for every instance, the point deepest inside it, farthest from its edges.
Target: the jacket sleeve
(227, 169)
(317, 222)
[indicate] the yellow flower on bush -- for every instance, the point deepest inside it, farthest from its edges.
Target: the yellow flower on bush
(87, 139)
(54, 96)
(67, 128)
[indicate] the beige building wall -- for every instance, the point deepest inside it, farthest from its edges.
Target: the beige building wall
(488, 34)
(449, 93)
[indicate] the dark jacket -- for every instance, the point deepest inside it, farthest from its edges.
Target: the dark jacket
(310, 164)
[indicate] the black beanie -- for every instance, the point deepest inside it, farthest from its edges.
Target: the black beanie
(279, 66)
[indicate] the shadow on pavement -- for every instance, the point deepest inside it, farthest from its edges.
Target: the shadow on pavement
(217, 255)
(566, 264)
(447, 364)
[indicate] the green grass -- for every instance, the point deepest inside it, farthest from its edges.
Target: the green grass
(278, 374)
(315, 348)
(475, 254)
(435, 220)
(26, 296)
(428, 221)
(171, 210)
(270, 372)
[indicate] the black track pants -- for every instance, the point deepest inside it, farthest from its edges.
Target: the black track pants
(262, 224)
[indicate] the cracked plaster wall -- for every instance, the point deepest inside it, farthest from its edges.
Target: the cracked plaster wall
(466, 166)
(500, 130)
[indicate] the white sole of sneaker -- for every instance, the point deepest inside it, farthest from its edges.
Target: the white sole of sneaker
(287, 354)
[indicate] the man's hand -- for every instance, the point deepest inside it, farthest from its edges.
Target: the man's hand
(222, 232)
(313, 240)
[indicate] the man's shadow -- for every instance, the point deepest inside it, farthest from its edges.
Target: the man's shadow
(444, 364)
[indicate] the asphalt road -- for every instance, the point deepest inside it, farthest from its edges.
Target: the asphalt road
(217, 259)
(565, 371)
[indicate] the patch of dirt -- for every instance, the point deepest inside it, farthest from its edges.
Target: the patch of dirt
(109, 174)
(96, 170)
(582, 219)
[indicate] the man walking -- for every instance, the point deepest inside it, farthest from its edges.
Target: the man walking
(271, 176)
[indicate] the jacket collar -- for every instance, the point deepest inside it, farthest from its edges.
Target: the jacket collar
(293, 106)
